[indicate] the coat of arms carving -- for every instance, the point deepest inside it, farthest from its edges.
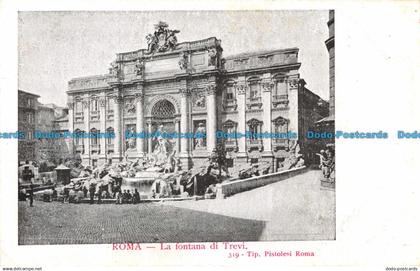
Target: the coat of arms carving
(162, 40)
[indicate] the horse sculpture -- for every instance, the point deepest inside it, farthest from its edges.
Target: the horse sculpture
(198, 180)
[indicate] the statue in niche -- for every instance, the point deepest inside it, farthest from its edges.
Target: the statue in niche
(200, 141)
(139, 67)
(113, 70)
(160, 150)
(183, 61)
(131, 142)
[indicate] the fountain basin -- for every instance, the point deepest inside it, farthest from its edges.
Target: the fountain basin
(142, 182)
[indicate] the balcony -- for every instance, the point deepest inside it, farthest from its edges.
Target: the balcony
(95, 148)
(280, 100)
(254, 144)
(280, 143)
(78, 117)
(253, 102)
(94, 115)
(110, 114)
(230, 104)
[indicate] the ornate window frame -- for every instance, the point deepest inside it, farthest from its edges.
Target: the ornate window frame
(231, 143)
(278, 122)
(109, 139)
(229, 104)
(78, 105)
(94, 140)
(94, 104)
(79, 141)
(254, 143)
(254, 100)
(280, 99)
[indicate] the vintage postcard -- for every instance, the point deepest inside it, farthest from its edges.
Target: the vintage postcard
(188, 142)
(166, 136)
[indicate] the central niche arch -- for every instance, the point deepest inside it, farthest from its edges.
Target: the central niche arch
(150, 104)
(163, 109)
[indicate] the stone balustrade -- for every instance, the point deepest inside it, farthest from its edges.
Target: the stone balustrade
(263, 59)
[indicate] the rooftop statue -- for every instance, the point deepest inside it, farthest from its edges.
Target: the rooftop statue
(162, 40)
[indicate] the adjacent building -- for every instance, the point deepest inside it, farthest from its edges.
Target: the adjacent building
(190, 87)
(33, 117)
(27, 107)
(328, 124)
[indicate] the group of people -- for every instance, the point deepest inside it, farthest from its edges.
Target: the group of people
(127, 197)
(96, 184)
(105, 182)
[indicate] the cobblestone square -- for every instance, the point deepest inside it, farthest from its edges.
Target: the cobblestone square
(58, 223)
(293, 209)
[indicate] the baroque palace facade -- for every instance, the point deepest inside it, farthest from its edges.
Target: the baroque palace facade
(189, 87)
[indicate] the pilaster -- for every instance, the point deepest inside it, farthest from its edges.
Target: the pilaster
(140, 122)
(86, 118)
(118, 101)
(240, 89)
(70, 105)
(211, 117)
(185, 129)
(267, 87)
(102, 119)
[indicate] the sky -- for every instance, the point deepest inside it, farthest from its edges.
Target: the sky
(55, 47)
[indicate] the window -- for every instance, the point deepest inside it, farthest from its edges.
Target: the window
(254, 127)
(281, 87)
(94, 105)
(163, 109)
(229, 127)
(79, 137)
(79, 107)
(109, 138)
(230, 141)
(29, 102)
(109, 103)
(230, 95)
(30, 117)
(254, 91)
(280, 129)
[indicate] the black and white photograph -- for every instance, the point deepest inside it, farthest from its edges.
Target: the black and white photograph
(209, 135)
